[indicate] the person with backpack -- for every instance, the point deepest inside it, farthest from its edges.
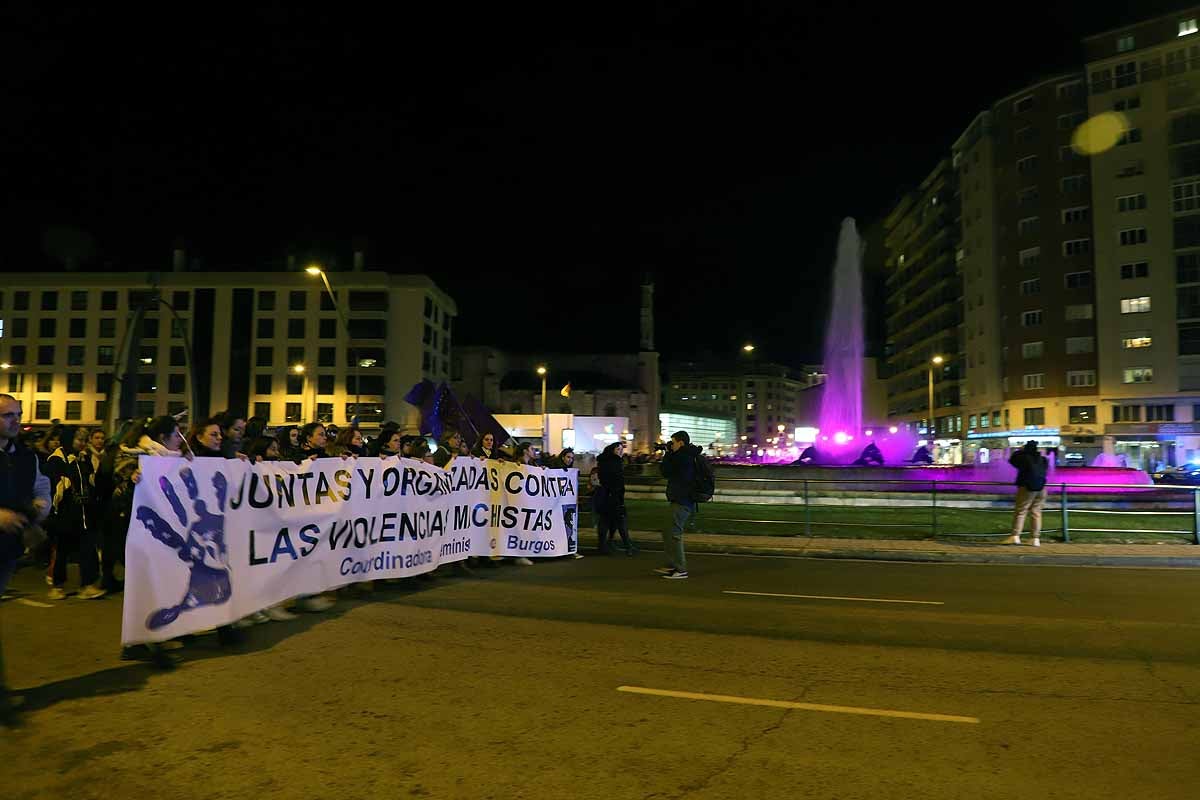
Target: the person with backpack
(689, 481)
(1032, 468)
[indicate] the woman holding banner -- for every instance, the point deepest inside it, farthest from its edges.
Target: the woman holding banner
(157, 437)
(610, 499)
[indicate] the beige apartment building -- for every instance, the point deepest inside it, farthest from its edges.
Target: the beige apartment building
(1146, 196)
(271, 343)
(1026, 259)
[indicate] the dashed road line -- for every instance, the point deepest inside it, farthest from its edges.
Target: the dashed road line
(836, 597)
(756, 701)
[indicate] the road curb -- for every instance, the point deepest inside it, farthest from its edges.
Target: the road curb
(935, 556)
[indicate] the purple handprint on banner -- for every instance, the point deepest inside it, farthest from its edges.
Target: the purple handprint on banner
(201, 546)
(569, 515)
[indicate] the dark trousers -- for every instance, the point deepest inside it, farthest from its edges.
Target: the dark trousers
(610, 522)
(7, 568)
(72, 536)
(112, 549)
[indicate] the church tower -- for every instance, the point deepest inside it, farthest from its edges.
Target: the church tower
(648, 374)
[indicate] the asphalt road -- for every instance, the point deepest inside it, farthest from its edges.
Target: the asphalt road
(594, 679)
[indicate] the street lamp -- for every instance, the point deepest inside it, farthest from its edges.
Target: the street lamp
(316, 271)
(936, 361)
(748, 348)
(541, 370)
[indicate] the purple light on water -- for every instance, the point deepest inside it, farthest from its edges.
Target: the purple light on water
(841, 398)
(841, 438)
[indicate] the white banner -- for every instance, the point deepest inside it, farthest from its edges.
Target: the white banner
(212, 540)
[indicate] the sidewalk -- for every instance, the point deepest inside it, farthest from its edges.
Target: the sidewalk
(929, 550)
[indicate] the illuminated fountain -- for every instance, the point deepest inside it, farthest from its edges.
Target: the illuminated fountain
(843, 440)
(841, 437)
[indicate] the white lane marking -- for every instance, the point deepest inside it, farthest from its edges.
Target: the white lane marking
(755, 701)
(34, 603)
(834, 597)
(901, 562)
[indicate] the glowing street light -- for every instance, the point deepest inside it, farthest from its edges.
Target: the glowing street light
(749, 348)
(298, 369)
(936, 361)
(5, 365)
(316, 271)
(541, 370)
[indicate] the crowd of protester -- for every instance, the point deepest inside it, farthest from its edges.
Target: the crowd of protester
(92, 474)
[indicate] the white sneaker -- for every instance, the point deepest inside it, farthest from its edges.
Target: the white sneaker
(244, 622)
(315, 604)
(56, 593)
(523, 561)
(1036, 543)
(1012, 540)
(91, 593)
(578, 555)
(259, 617)
(279, 614)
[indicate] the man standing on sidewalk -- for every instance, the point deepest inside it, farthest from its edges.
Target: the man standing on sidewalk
(1032, 467)
(24, 500)
(679, 468)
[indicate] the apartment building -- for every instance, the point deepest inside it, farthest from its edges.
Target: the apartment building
(272, 343)
(924, 309)
(1144, 81)
(1028, 279)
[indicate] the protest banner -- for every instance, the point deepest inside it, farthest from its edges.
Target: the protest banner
(212, 540)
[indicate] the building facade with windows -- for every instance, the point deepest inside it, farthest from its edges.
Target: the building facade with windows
(1146, 195)
(761, 397)
(270, 343)
(924, 309)
(1027, 267)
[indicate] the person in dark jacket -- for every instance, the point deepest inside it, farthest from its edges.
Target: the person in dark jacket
(448, 448)
(256, 428)
(386, 444)
(69, 469)
(289, 443)
(233, 432)
(564, 460)
(24, 501)
(486, 448)
(679, 468)
(609, 499)
(1032, 467)
(313, 441)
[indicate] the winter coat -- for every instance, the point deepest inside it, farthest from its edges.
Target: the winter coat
(611, 472)
(679, 468)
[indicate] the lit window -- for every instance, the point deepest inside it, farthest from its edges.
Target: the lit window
(1136, 341)
(1135, 305)
(1124, 44)
(1138, 375)
(1187, 27)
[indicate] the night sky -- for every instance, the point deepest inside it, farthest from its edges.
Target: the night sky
(535, 160)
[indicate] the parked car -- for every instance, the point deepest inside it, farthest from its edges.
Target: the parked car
(1187, 475)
